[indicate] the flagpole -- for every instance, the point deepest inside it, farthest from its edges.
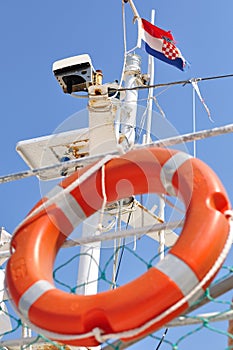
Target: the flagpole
(151, 90)
(151, 73)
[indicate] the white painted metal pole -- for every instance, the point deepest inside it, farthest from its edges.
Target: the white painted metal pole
(101, 138)
(89, 259)
(26, 333)
(171, 141)
(5, 321)
(151, 73)
(194, 121)
(129, 110)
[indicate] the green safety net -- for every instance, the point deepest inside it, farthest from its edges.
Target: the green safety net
(208, 319)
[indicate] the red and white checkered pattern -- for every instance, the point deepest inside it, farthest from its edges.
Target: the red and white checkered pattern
(169, 50)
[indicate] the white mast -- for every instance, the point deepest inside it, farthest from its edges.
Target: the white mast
(101, 137)
(129, 111)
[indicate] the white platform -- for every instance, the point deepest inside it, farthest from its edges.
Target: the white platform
(48, 150)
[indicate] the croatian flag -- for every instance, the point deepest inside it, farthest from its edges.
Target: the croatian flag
(159, 43)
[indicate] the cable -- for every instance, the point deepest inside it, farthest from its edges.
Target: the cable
(180, 82)
(162, 339)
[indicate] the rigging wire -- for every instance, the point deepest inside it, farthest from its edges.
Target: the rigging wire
(123, 244)
(117, 246)
(142, 123)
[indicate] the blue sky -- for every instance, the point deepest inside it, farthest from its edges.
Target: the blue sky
(35, 34)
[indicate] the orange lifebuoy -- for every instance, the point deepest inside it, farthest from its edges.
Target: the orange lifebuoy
(153, 299)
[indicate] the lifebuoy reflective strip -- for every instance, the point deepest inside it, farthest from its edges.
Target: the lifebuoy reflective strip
(153, 299)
